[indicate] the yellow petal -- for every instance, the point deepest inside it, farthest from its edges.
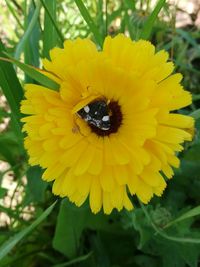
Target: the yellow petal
(96, 164)
(144, 192)
(95, 196)
(84, 161)
(107, 205)
(107, 179)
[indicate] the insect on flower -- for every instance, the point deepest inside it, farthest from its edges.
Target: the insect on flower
(97, 114)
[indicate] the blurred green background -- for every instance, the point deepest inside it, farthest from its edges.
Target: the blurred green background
(165, 233)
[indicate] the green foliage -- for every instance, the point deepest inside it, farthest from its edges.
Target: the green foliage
(148, 26)
(70, 224)
(9, 244)
(165, 233)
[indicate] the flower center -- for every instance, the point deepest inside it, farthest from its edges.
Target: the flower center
(115, 120)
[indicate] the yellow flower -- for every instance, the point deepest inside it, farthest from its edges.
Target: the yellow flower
(130, 157)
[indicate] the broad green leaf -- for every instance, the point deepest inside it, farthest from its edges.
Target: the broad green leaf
(34, 73)
(148, 26)
(12, 242)
(175, 254)
(35, 184)
(93, 28)
(70, 224)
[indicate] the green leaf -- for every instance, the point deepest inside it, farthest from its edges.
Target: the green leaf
(12, 242)
(72, 262)
(159, 231)
(51, 31)
(21, 45)
(191, 213)
(10, 84)
(34, 73)
(13, 12)
(70, 224)
(93, 28)
(31, 48)
(136, 219)
(148, 26)
(36, 185)
(187, 36)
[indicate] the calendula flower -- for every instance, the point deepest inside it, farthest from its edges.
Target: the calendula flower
(110, 131)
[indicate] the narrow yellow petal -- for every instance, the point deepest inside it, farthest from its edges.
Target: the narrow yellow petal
(53, 172)
(84, 183)
(117, 197)
(95, 196)
(107, 179)
(151, 178)
(96, 164)
(108, 153)
(85, 160)
(144, 192)
(121, 174)
(127, 203)
(121, 154)
(107, 205)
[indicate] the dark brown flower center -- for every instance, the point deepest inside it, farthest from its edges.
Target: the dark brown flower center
(115, 120)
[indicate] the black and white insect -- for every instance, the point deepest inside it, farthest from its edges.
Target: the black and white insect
(96, 113)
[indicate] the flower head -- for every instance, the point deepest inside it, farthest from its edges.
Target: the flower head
(131, 87)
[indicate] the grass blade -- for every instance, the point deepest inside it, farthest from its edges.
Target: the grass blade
(51, 30)
(148, 26)
(187, 36)
(12, 91)
(34, 73)
(31, 49)
(13, 95)
(11, 243)
(12, 11)
(28, 31)
(93, 28)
